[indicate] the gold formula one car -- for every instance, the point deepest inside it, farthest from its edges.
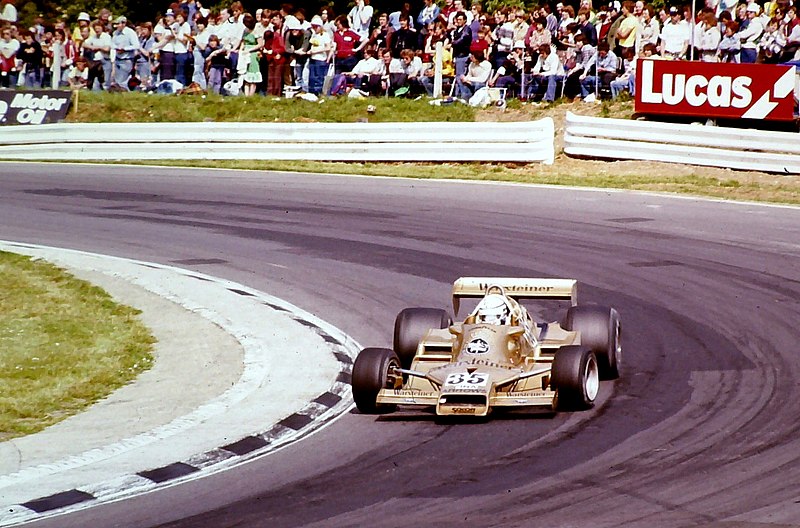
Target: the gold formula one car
(498, 357)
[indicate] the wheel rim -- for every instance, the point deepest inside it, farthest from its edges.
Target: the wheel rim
(591, 379)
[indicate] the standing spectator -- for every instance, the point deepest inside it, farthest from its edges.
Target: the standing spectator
(772, 42)
(585, 26)
(68, 52)
(360, 18)
(31, 56)
(328, 18)
(445, 12)
(651, 29)
(319, 56)
(730, 46)
(460, 39)
(708, 43)
(8, 58)
(547, 70)
(248, 56)
(143, 64)
(84, 21)
(104, 17)
(276, 56)
(537, 36)
(476, 77)
(503, 36)
(8, 12)
(394, 16)
(200, 41)
(99, 45)
(126, 43)
(347, 43)
(404, 38)
(459, 8)
(183, 59)
(216, 62)
(381, 35)
(751, 34)
(165, 44)
(298, 43)
(675, 36)
(429, 13)
(628, 27)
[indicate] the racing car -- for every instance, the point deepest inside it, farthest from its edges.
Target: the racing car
(498, 357)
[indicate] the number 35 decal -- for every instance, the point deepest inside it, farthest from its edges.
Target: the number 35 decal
(472, 380)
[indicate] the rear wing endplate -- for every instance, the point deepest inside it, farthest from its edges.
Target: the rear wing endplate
(547, 289)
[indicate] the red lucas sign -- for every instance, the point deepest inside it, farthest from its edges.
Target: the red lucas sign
(746, 91)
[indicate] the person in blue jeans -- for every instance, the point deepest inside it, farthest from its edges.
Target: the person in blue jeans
(547, 70)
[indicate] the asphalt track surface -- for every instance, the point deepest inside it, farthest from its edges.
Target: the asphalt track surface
(701, 430)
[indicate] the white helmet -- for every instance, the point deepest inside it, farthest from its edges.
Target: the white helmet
(493, 309)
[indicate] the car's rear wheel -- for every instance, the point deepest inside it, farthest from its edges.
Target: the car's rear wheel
(575, 376)
(410, 327)
(601, 332)
(371, 373)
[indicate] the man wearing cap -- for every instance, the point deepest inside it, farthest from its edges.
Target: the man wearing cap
(751, 34)
(675, 36)
(83, 21)
(125, 42)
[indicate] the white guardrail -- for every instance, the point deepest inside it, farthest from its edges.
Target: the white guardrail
(439, 141)
(733, 148)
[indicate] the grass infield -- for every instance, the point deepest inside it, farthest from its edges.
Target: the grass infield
(64, 344)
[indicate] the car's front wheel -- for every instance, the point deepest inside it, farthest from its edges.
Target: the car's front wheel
(410, 327)
(371, 373)
(575, 376)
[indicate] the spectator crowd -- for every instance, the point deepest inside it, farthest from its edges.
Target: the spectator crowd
(578, 51)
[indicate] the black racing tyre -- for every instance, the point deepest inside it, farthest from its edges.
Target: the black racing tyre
(410, 327)
(370, 375)
(601, 332)
(576, 378)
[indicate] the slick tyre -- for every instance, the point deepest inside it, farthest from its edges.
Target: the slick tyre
(370, 375)
(601, 333)
(575, 377)
(410, 327)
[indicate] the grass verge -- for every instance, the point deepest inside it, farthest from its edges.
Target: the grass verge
(64, 344)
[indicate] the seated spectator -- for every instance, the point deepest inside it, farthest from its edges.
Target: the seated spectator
(584, 52)
(509, 74)
(405, 74)
(370, 65)
(604, 67)
(548, 71)
(730, 45)
(625, 81)
(448, 70)
(477, 76)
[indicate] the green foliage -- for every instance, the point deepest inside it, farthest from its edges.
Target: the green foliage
(139, 11)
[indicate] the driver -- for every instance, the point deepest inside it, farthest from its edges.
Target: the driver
(493, 309)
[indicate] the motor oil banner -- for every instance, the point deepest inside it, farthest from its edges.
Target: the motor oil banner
(33, 107)
(706, 89)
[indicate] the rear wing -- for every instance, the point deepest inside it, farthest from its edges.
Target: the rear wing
(548, 289)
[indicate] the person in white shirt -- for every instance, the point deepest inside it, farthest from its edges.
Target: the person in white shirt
(366, 67)
(99, 47)
(8, 58)
(478, 73)
(675, 36)
(360, 18)
(750, 35)
(125, 42)
(8, 12)
(548, 69)
(319, 55)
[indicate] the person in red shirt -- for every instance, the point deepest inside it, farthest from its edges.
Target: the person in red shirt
(348, 43)
(276, 56)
